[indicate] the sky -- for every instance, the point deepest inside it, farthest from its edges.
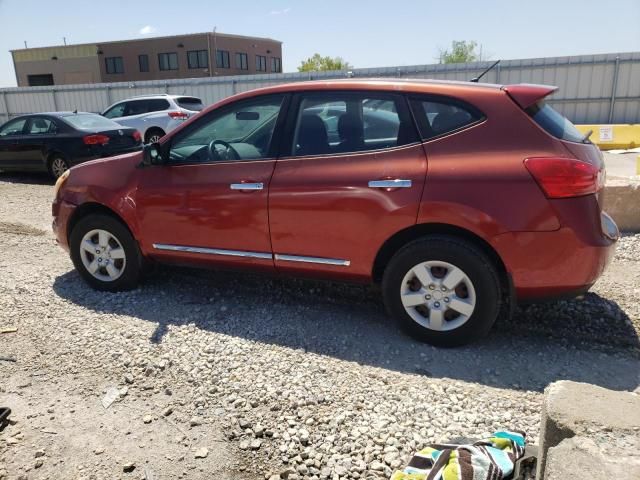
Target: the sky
(366, 33)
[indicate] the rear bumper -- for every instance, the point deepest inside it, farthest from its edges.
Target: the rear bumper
(562, 263)
(62, 212)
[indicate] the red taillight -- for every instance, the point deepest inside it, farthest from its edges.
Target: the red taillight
(565, 177)
(95, 139)
(136, 136)
(178, 115)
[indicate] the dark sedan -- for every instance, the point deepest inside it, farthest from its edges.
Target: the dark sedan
(54, 142)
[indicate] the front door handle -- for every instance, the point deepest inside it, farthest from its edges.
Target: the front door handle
(246, 186)
(394, 183)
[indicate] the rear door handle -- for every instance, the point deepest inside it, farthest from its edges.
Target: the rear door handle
(246, 186)
(395, 183)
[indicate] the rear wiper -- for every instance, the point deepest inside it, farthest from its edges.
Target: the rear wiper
(585, 139)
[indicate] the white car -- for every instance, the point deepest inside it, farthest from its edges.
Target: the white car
(154, 115)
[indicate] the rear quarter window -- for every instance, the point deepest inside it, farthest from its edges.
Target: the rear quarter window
(438, 116)
(190, 103)
(554, 123)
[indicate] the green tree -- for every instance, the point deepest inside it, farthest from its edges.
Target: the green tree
(461, 51)
(319, 63)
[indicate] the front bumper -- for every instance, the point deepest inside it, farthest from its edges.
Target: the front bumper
(555, 264)
(62, 212)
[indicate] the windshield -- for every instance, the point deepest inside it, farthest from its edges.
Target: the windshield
(90, 121)
(555, 123)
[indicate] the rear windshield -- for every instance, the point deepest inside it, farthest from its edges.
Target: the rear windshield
(90, 121)
(190, 103)
(554, 123)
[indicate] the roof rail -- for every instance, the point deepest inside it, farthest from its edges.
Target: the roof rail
(152, 95)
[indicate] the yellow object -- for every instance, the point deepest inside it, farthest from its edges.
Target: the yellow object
(609, 137)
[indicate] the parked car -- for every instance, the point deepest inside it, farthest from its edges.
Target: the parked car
(460, 199)
(154, 115)
(53, 142)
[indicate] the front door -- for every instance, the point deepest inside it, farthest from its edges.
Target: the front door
(350, 177)
(208, 202)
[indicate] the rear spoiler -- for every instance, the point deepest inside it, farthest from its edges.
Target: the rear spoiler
(526, 94)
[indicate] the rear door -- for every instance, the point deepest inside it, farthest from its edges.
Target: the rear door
(11, 136)
(351, 175)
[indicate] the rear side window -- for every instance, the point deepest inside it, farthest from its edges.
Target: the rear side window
(190, 103)
(90, 121)
(554, 123)
(437, 116)
(157, 105)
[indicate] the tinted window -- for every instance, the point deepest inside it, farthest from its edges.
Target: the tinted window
(261, 63)
(14, 127)
(198, 59)
(190, 103)
(41, 126)
(116, 111)
(168, 61)
(222, 59)
(156, 104)
(276, 65)
(90, 121)
(143, 62)
(437, 116)
(242, 61)
(40, 80)
(555, 123)
(114, 65)
(343, 123)
(243, 132)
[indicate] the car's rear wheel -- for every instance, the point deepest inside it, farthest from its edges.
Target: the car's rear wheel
(153, 135)
(57, 165)
(442, 290)
(105, 253)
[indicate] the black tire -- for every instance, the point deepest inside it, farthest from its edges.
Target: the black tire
(56, 165)
(467, 257)
(152, 132)
(130, 276)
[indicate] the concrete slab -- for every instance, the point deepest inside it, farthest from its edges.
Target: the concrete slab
(610, 419)
(622, 165)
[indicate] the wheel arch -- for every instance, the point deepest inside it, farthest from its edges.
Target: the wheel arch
(92, 208)
(403, 237)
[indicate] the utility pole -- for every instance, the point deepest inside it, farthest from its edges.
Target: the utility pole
(215, 51)
(25, 44)
(64, 39)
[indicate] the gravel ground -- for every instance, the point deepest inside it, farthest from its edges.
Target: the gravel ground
(232, 375)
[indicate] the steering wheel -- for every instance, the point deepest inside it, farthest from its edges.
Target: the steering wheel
(215, 154)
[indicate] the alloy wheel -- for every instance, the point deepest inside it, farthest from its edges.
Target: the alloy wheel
(438, 295)
(58, 166)
(102, 255)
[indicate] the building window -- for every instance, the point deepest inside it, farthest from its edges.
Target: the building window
(261, 63)
(222, 59)
(242, 61)
(168, 61)
(40, 80)
(276, 65)
(143, 62)
(198, 59)
(114, 64)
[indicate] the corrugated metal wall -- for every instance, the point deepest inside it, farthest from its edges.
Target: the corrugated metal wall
(593, 88)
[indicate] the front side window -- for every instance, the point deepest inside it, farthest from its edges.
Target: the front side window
(143, 63)
(14, 127)
(198, 59)
(437, 116)
(241, 131)
(261, 63)
(242, 62)
(41, 126)
(350, 122)
(114, 65)
(222, 59)
(116, 111)
(168, 61)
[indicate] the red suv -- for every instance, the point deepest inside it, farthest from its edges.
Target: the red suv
(459, 198)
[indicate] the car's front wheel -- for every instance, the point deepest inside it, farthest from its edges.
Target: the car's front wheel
(442, 290)
(105, 253)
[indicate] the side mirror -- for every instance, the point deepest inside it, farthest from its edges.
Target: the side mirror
(152, 154)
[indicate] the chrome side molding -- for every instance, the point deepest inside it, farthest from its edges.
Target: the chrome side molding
(323, 261)
(213, 251)
(246, 186)
(260, 255)
(395, 183)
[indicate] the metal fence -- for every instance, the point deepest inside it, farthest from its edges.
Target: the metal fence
(593, 88)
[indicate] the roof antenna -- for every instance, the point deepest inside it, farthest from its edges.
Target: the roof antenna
(476, 79)
(75, 111)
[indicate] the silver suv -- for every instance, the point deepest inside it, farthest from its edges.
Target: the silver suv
(154, 115)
